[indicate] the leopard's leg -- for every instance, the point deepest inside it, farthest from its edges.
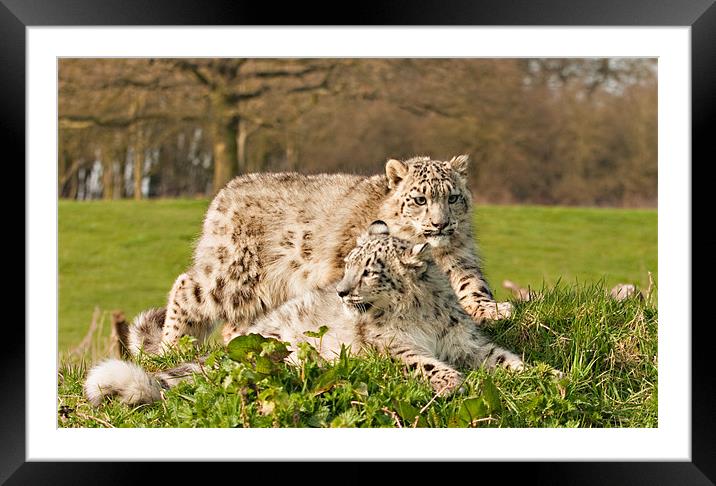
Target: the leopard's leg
(187, 312)
(475, 296)
(471, 288)
(495, 356)
(229, 331)
(475, 350)
(443, 378)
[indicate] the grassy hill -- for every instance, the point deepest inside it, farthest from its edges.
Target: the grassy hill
(125, 255)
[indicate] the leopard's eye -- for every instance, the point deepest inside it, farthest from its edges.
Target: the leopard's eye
(420, 200)
(453, 198)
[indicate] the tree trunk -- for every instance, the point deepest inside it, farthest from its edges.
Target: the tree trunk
(74, 185)
(62, 167)
(107, 175)
(242, 165)
(117, 174)
(138, 170)
(225, 151)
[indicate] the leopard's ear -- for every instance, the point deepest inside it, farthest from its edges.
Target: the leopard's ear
(378, 227)
(396, 171)
(459, 164)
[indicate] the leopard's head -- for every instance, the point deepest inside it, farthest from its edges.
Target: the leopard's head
(379, 269)
(429, 198)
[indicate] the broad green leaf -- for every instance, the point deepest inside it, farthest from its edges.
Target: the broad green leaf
(471, 409)
(491, 395)
(256, 348)
(361, 389)
(264, 365)
(406, 411)
(241, 347)
(274, 350)
(325, 382)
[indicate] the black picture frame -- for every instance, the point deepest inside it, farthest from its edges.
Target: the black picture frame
(700, 15)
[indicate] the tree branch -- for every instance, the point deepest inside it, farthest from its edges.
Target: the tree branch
(90, 121)
(195, 69)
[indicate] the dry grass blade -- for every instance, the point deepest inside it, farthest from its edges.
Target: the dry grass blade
(118, 346)
(394, 415)
(92, 417)
(86, 342)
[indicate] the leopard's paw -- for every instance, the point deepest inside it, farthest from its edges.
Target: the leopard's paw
(510, 361)
(446, 382)
(495, 310)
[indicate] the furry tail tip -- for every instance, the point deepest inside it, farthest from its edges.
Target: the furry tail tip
(128, 381)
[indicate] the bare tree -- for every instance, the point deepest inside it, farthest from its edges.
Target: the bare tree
(567, 131)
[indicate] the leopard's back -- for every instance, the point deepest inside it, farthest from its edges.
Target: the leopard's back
(269, 237)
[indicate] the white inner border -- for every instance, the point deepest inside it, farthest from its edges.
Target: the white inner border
(670, 441)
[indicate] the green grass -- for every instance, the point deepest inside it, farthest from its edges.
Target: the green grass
(120, 255)
(606, 349)
(125, 255)
(532, 245)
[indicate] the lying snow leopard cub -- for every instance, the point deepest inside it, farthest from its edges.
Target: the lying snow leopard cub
(392, 297)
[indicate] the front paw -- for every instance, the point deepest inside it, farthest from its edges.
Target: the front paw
(495, 311)
(229, 332)
(446, 382)
(510, 361)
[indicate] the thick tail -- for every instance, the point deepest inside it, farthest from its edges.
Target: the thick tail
(128, 381)
(145, 333)
(131, 384)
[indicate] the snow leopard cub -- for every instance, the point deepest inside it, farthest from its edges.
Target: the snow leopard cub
(392, 297)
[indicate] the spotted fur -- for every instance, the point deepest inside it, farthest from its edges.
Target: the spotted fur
(268, 238)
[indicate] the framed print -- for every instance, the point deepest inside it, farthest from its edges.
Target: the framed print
(156, 88)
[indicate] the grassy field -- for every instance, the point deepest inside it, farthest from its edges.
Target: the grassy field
(125, 255)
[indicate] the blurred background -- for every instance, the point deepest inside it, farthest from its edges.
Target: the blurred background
(564, 164)
(539, 131)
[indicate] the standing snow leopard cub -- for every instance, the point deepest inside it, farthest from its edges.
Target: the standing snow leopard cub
(392, 297)
(268, 238)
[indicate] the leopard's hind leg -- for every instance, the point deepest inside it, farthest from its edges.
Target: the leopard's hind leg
(188, 312)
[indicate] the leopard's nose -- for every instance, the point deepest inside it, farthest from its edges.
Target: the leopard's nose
(342, 289)
(439, 226)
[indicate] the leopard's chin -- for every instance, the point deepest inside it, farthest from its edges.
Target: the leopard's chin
(438, 241)
(358, 307)
(363, 307)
